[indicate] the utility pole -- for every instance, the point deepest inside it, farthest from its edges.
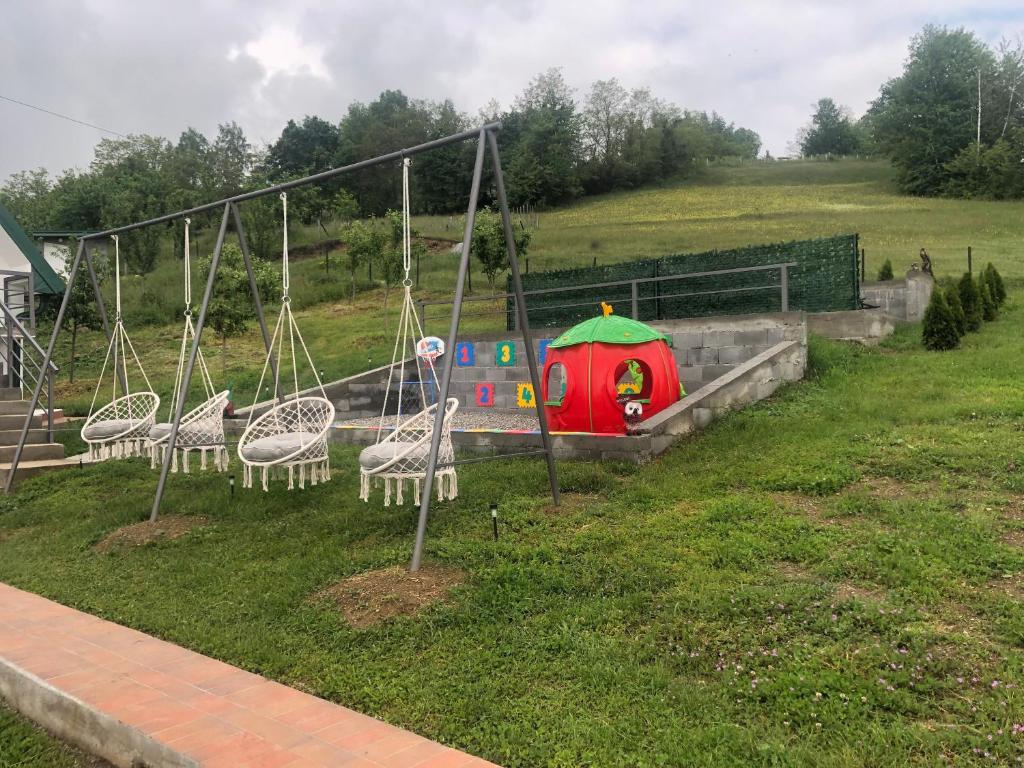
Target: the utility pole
(978, 144)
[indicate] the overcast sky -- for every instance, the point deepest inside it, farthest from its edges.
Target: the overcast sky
(158, 67)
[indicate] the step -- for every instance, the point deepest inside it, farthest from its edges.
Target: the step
(12, 421)
(20, 408)
(33, 452)
(11, 393)
(11, 436)
(27, 469)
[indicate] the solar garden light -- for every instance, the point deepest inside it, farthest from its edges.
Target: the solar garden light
(231, 484)
(494, 519)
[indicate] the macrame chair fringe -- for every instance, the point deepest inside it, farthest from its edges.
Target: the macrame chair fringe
(410, 464)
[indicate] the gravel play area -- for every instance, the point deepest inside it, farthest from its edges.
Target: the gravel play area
(476, 419)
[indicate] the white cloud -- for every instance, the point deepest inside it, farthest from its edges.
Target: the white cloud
(157, 67)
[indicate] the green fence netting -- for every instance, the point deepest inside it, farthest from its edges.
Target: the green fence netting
(824, 278)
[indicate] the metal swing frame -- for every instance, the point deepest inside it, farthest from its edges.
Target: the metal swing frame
(486, 139)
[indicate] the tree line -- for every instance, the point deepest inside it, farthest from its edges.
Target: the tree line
(952, 122)
(555, 148)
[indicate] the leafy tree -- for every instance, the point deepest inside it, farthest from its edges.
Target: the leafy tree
(970, 298)
(939, 329)
(544, 140)
(366, 242)
(82, 311)
(231, 305)
(832, 131)
(955, 306)
(926, 116)
(488, 244)
(28, 196)
(988, 302)
(885, 273)
(304, 149)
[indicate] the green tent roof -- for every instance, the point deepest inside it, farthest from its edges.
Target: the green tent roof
(608, 330)
(46, 279)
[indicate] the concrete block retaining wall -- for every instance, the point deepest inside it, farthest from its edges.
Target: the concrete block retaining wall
(902, 300)
(753, 380)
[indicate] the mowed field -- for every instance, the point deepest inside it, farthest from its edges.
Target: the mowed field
(776, 202)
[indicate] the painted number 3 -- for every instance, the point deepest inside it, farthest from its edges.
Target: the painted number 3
(506, 354)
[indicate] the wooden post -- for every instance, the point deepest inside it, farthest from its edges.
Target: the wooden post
(970, 261)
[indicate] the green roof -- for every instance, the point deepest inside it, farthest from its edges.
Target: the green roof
(46, 279)
(612, 329)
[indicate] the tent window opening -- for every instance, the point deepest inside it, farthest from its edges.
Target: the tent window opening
(557, 383)
(633, 378)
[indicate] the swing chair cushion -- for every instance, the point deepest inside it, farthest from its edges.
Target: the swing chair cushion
(277, 447)
(187, 436)
(104, 430)
(378, 455)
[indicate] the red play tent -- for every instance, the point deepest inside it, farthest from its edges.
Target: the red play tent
(595, 367)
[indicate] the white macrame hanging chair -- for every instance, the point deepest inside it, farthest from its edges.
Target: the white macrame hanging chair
(120, 428)
(400, 456)
(292, 435)
(202, 428)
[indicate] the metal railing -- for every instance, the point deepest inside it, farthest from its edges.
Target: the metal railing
(782, 286)
(20, 353)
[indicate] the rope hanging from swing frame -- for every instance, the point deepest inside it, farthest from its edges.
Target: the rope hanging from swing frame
(120, 428)
(292, 434)
(409, 326)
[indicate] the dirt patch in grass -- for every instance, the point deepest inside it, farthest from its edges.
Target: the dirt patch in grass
(812, 506)
(375, 596)
(140, 534)
(886, 488)
(1014, 538)
(794, 571)
(846, 590)
(1011, 585)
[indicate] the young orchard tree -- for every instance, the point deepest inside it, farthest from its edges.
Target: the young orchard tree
(231, 305)
(488, 244)
(366, 243)
(82, 311)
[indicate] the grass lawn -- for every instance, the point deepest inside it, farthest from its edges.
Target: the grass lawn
(832, 577)
(22, 745)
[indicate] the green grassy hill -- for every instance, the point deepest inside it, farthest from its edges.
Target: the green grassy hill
(728, 207)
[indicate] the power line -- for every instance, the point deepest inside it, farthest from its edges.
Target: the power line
(62, 117)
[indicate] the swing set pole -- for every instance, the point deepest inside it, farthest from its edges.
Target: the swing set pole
(449, 358)
(172, 438)
(524, 320)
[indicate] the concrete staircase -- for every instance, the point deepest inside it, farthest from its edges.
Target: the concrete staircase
(38, 455)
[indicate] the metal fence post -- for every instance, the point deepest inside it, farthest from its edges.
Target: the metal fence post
(635, 296)
(784, 285)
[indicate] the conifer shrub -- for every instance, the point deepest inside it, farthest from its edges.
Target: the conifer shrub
(885, 273)
(939, 329)
(988, 303)
(970, 298)
(953, 299)
(995, 284)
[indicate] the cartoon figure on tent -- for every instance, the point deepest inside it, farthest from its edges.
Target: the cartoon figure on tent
(606, 373)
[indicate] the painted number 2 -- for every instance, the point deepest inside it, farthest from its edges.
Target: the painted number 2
(485, 395)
